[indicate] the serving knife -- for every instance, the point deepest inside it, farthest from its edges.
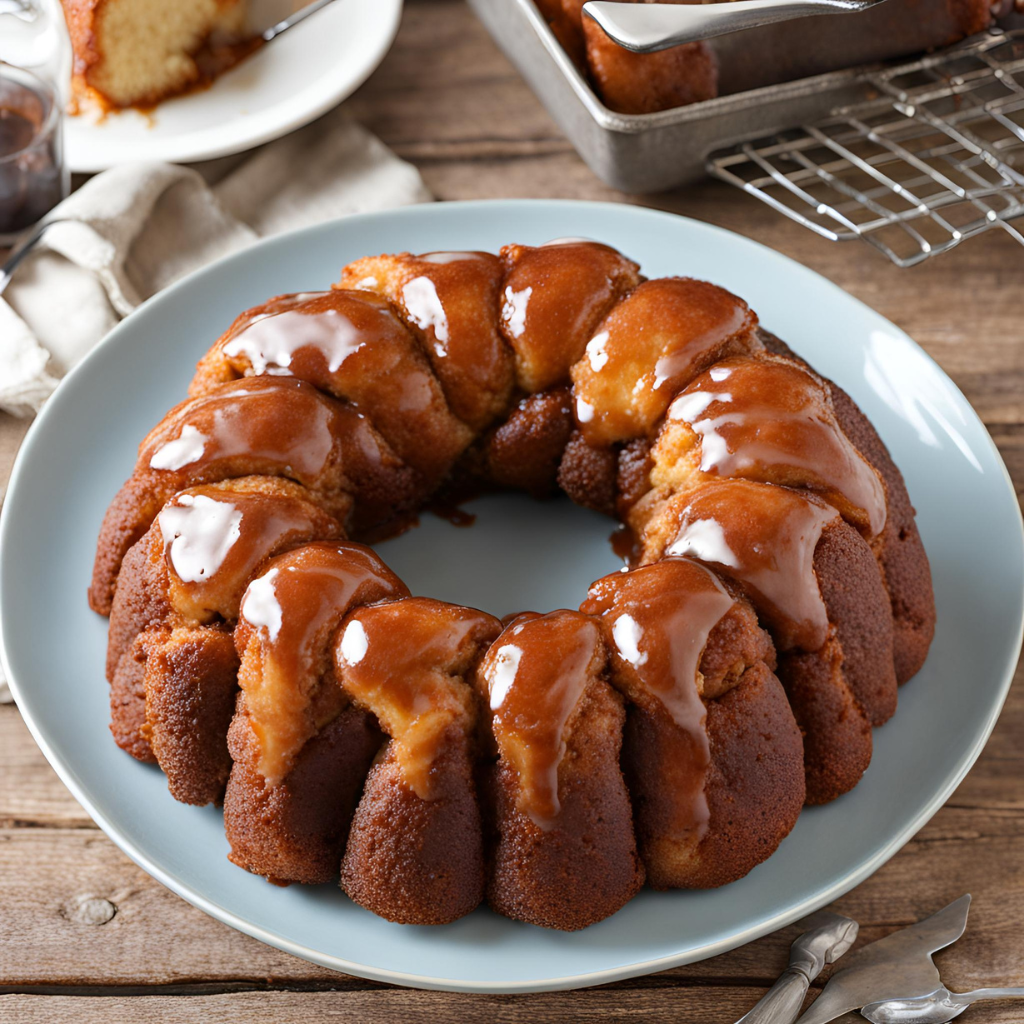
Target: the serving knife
(898, 967)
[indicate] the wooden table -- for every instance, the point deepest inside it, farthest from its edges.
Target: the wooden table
(86, 935)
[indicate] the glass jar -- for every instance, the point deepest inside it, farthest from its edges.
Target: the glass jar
(35, 77)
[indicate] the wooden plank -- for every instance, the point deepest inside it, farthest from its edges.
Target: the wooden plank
(396, 1006)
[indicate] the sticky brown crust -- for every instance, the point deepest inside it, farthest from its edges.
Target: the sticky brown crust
(633, 477)
(754, 786)
(524, 453)
(587, 866)
(127, 518)
(589, 475)
(191, 679)
(858, 608)
(128, 704)
(825, 687)
(417, 861)
(296, 831)
(899, 549)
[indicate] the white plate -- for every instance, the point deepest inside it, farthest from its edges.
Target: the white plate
(520, 555)
(298, 77)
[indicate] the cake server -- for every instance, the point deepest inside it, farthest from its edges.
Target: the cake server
(898, 967)
(644, 27)
(829, 937)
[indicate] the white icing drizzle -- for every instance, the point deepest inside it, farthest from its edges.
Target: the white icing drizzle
(269, 342)
(260, 607)
(502, 673)
(198, 533)
(513, 310)
(626, 633)
(689, 405)
(186, 448)
(596, 351)
(704, 539)
(584, 411)
(354, 643)
(426, 311)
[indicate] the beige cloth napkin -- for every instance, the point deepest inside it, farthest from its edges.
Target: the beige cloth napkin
(133, 230)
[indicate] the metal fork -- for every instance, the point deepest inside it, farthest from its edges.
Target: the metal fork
(645, 28)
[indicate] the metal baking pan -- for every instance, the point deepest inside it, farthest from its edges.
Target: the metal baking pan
(651, 152)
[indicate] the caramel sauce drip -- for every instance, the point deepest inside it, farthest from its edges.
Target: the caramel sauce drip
(771, 420)
(651, 345)
(657, 620)
(535, 674)
(215, 539)
(264, 424)
(553, 298)
(406, 662)
(288, 617)
(764, 538)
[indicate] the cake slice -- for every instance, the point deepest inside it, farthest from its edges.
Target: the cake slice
(137, 52)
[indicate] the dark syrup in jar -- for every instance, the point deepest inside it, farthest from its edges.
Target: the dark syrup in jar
(31, 173)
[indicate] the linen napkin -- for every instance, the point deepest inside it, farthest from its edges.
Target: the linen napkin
(133, 230)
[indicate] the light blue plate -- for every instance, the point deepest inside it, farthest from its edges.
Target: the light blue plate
(519, 555)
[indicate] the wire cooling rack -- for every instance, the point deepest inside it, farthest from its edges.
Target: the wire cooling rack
(932, 155)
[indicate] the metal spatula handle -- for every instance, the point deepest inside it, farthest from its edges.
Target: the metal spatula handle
(645, 28)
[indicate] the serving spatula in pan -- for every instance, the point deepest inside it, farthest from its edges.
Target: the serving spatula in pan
(644, 28)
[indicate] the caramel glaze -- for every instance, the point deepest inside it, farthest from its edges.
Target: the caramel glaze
(768, 419)
(406, 662)
(215, 537)
(554, 296)
(353, 346)
(534, 676)
(262, 425)
(278, 427)
(287, 620)
(651, 345)
(656, 621)
(764, 538)
(450, 301)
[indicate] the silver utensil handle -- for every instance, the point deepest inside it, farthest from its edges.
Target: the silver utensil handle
(966, 998)
(293, 19)
(782, 1002)
(645, 28)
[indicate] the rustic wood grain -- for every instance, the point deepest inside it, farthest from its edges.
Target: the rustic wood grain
(87, 936)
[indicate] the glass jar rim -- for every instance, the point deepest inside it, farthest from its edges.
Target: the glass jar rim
(45, 90)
